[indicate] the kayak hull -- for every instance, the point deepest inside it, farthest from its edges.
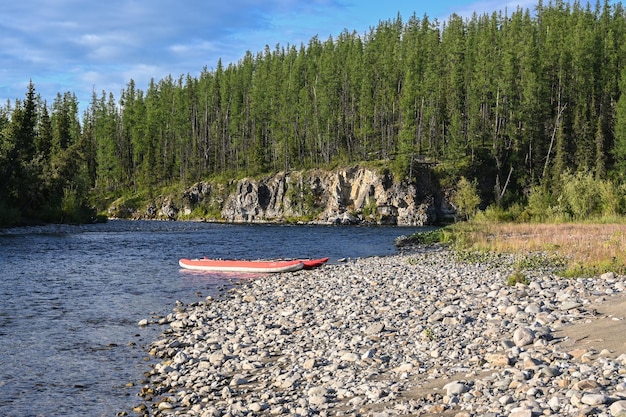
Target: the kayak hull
(221, 265)
(313, 263)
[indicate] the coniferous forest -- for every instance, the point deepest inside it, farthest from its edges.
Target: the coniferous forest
(531, 99)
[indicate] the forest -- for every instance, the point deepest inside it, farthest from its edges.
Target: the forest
(523, 102)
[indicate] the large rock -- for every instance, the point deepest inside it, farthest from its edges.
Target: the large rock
(523, 336)
(344, 196)
(169, 210)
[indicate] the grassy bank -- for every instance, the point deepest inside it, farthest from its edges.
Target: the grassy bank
(576, 249)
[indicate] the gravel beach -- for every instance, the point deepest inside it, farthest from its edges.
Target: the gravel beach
(413, 334)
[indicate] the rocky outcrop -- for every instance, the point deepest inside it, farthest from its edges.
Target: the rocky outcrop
(344, 196)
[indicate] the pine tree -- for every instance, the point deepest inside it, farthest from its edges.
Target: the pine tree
(619, 151)
(18, 184)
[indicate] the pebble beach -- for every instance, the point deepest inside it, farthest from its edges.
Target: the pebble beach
(415, 334)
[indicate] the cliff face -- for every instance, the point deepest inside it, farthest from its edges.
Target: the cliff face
(344, 196)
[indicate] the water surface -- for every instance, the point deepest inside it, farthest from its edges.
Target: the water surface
(71, 298)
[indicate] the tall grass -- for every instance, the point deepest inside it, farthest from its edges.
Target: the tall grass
(586, 249)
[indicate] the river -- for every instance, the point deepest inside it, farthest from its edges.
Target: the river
(71, 298)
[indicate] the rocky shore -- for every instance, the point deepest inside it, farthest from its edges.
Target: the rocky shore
(411, 334)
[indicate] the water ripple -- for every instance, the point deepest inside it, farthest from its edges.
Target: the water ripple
(72, 297)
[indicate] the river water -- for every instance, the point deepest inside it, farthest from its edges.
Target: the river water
(71, 298)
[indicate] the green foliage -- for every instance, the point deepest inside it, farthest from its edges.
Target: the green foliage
(540, 202)
(206, 212)
(74, 208)
(541, 261)
(127, 206)
(517, 277)
(580, 196)
(619, 151)
(370, 211)
(495, 97)
(491, 85)
(579, 270)
(429, 334)
(467, 256)
(498, 214)
(446, 236)
(422, 238)
(612, 198)
(302, 193)
(466, 199)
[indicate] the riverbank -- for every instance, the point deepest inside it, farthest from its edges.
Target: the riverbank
(408, 334)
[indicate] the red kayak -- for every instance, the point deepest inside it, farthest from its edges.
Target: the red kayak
(222, 265)
(313, 263)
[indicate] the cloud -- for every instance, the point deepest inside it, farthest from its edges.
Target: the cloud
(194, 45)
(78, 46)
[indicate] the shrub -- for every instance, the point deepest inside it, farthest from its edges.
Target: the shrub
(466, 199)
(420, 238)
(540, 202)
(581, 193)
(610, 198)
(495, 213)
(517, 277)
(370, 211)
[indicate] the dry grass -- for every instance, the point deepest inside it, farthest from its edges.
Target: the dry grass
(587, 248)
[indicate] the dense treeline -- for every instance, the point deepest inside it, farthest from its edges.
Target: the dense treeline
(44, 159)
(517, 99)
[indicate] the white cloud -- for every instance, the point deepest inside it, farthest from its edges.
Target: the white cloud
(90, 39)
(91, 77)
(193, 47)
(106, 44)
(143, 73)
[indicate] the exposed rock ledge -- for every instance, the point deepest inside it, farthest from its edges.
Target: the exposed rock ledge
(344, 196)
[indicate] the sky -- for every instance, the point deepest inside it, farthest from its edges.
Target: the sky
(87, 46)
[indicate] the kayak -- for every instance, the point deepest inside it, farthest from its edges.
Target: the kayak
(225, 265)
(222, 265)
(313, 263)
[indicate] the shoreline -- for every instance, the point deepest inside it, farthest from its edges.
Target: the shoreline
(408, 334)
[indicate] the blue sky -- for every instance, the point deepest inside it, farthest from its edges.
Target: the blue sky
(85, 45)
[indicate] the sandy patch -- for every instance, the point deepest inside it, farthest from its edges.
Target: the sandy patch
(605, 328)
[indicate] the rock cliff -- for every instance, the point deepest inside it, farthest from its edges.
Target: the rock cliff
(344, 196)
